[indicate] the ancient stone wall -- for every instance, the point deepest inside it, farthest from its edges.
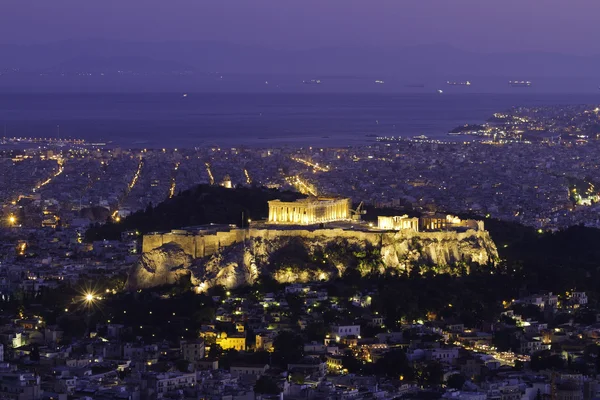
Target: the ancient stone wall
(151, 241)
(199, 246)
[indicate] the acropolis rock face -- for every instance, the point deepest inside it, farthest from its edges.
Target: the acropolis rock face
(162, 266)
(296, 255)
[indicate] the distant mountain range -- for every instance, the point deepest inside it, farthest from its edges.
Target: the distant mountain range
(77, 56)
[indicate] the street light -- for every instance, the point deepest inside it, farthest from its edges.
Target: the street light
(12, 219)
(88, 300)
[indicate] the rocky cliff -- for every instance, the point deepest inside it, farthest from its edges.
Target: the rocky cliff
(303, 256)
(162, 266)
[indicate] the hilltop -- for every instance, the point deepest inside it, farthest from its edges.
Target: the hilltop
(202, 204)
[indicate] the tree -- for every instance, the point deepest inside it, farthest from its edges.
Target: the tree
(350, 363)
(288, 348)
(266, 385)
(35, 353)
(504, 339)
(215, 351)
(315, 331)
(433, 374)
(394, 364)
(538, 395)
(228, 358)
(456, 381)
(182, 365)
(545, 360)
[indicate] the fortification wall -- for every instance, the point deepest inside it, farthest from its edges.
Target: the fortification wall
(205, 245)
(372, 237)
(187, 242)
(151, 242)
(194, 245)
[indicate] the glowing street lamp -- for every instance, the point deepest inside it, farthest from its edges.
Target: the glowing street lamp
(12, 219)
(89, 302)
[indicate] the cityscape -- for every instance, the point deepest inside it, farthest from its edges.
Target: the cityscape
(93, 308)
(316, 200)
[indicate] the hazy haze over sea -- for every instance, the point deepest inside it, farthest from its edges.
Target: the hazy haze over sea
(257, 119)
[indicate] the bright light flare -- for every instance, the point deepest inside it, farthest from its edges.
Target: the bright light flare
(89, 298)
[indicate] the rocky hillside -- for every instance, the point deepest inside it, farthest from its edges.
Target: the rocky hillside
(162, 266)
(316, 257)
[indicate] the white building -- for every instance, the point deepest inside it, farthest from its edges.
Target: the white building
(530, 346)
(446, 355)
(171, 382)
(342, 331)
(192, 351)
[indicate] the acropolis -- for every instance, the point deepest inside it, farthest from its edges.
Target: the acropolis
(233, 256)
(309, 211)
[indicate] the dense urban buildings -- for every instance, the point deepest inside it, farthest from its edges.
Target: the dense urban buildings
(383, 282)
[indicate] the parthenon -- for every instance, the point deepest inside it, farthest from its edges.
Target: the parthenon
(313, 210)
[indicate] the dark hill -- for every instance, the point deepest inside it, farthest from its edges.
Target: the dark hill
(200, 205)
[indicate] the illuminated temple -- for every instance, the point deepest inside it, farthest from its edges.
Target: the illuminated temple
(312, 210)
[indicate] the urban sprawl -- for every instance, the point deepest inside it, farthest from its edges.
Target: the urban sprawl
(70, 330)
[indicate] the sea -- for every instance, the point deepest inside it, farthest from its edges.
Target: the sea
(187, 120)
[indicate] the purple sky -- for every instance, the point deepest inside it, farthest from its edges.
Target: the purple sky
(568, 26)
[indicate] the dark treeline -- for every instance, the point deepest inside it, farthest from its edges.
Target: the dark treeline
(200, 205)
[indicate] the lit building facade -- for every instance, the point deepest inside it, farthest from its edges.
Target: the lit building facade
(234, 341)
(398, 223)
(309, 211)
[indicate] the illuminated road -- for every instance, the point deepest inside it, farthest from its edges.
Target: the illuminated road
(302, 186)
(504, 357)
(61, 169)
(173, 181)
(315, 166)
(248, 180)
(134, 180)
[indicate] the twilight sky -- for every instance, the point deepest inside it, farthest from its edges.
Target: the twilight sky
(568, 26)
